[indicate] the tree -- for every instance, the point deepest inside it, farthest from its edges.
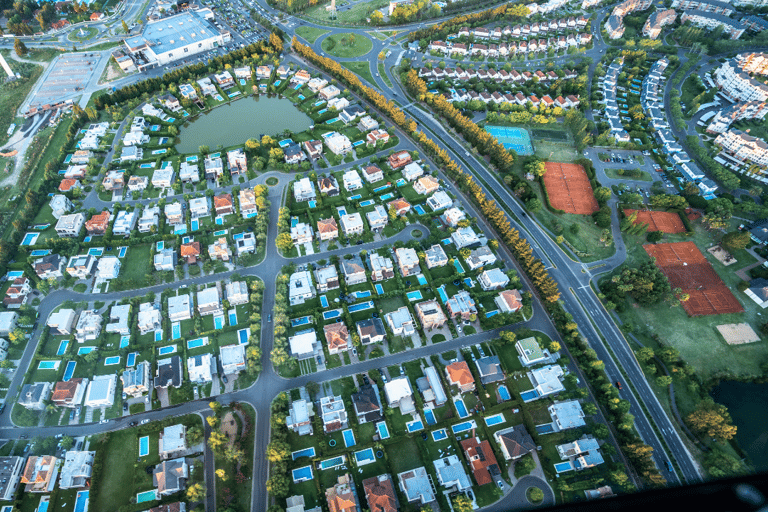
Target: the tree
(712, 420)
(217, 441)
(654, 236)
(278, 486)
(735, 240)
(533, 205)
(278, 451)
(195, 492)
(508, 337)
(16, 336)
(125, 27)
(221, 474)
(462, 504)
(554, 346)
(20, 47)
(92, 356)
(535, 494)
(601, 431)
(284, 242)
(645, 354)
(194, 435)
(67, 442)
(589, 408)
(663, 380)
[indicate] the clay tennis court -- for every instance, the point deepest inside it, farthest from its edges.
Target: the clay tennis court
(569, 189)
(666, 222)
(687, 268)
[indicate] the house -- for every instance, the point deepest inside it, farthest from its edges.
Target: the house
(377, 218)
(190, 252)
(354, 271)
(509, 301)
(101, 391)
(407, 261)
(293, 154)
(352, 224)
(451, 475)
(263, 72)
(10, 476)
(150, 217)
(530, 353)
(439, 200)
(236, 293)
(131, 154)
(352, 180)
(350, 113)
(482, 460)
(189, 172)
(16, 295)
(214, 167)
(40, 473)
(247, 199)
(400, 322)
(136, 380)
(328, 186)
(435, 256)
(174, 214)
(381, 267)
(582, 454)
(169, 372)
(77, 469)
(328, 92)
(298, 418)
(201, 368)
(337, 143)
(481, 257)
(60, 205)
(375, 136)
(88, 326)
(108, 267)
(198, 207)
(49, 266)
(303, 344)
(380, 494)
(493, 279)
(327, 229)
(70, 225)
(113, 181)
(173, 441)
(567, 414)
(179, 307)
(367, 124)
(300, 287)
(338, 103)
(417, 486)
(758, 291)
(34, 396)
(514, 442)
(219, 250)
(303, 190)
(333, 414)
(466, 237)
(165, 260)
(425, 185)
(430, 314)
(302, 76)
(224, 79)
(8, 321)
(400, 206)
(399, 159)
(232, 358)
(370, 331)
(327, 278)
(489, 369)
(209, 301)
(337, 337)
(125, 221)
(118, 319)
(148, 319)
(453, 216)
(372, 174)
(61, 321)
(236, 161)
(412, 170)
(458, 374)
(170, 476)
(342, 497)
(367, 404)
(461, 305)
(314, 149)
(398, 393)
(546, 381)
(223, 204)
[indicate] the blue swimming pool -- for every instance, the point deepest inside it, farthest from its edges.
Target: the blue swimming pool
(332, 463)
(383, 187)
(379, 289)
(43, 506)
(545, 429)
(125, 341)
(158, 335)
(414, 426)
(131, 361)
(81, 501)
(112, 360)
(419, 209)
(232, 315)
(196, 343)
(414, 295)
(95, 251)
(243, 335)
(364, 457)
(421, 279)
(458, 266)
(48, 365)
(302, 474)
(191, 159)
(355, 197)
(489, 314)
(195, 224)
(361, 307)
(324, 301)
(562, 467)
(160, 245)
(15, 273)
(387, 197)
(69, 370)
(504, 393)
(85, 350)
(122, 252)
(175, 330)
(330, 315)
(447, 241)
(494, 420)
(358, 143)
(381, 427)
(527, 396)
(30, 238)
(147, 166)
(306, 452)
(468, 281)
(40, 252)
(296, 322)
(218, 322)
(219, 221)
(143, 446)
(461, 427)
(349, 438)
(312, 204)
(222, 232)
(145, 496)
(164, 351)
(400, 182)
(367, 202)
(342, 211)
(180, 229)
(461, 408)
(363, 294)
(439, 435)
(62, 347)
(429, 415)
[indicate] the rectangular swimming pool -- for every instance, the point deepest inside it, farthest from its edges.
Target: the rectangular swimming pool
(461, 408)
(158, 335)
(383, 187)
(439, 435)
(195, 224)
(324, 301)
(545, 428)
(85, 350)
(62, 347)
(562, 467)
(419, 209)
(504, 393)
(306, 452)
(458, 266)
(81, 501)
(197, 342)
(131, 359)
(40, 252)
(243, 335)
(125, 341)
(169, 349)
(302, 474)
(421, 279)
(218, 322)
(414, 426)
(48, 365)
(312, 204)
(221, 232)
(528, 396)
(447, 241)
(175, 331)
(330, 315)
(364, 457)
(145, 496)
(363, 294)
(361, 307)
(442, 294)
(122, 252)
(387, 197)
(143, 446)
(414, 295)
(461, 427)
(112, 360)
(400, 182)
(367, 202)
(333, 463)
(381, 427)
(160, 245)
(379, 289)
(304, 320)
(69, 370)
(232, 317)
(429, 416)
(342, 211)
(95, 251)
(355, 197)
(495, 419)
(349, 438)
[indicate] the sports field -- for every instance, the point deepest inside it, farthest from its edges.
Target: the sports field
(687, 268)
(666, 222)
(569, 189)
(516, 139)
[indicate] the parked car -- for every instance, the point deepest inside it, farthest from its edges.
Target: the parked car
(618, 385)
(133, 423)
(145, 421)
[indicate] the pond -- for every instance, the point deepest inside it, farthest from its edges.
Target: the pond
(240, 120)
(747, 403)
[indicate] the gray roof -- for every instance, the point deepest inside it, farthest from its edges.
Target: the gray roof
(490, 369)
(169, 372)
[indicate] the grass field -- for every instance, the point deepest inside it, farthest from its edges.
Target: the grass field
(557, 152)
(361, 69)
(12, 94)
(611, 173)
(311, 33)
(383, 73)
(356, 15)
(341, 45)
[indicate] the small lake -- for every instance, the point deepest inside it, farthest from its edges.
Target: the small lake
(747, 402)
(236, 122)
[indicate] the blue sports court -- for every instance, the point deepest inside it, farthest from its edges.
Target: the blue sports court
(516, 139)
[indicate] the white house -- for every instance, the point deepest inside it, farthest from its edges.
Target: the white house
(101, 391)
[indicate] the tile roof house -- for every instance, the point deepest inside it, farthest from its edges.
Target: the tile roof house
(380, 494)
(430, 314)
(509, 301)
(170, 476)
(223, 204)
(367, 404)
(373, 174)
(458, 374)
(481, 459)
(190, 252)
(69, 393)
(98, 224)
(342, 497)
(399, 159)
(40, 473)
(219, 250)
(514, 442)
(328, 185)
(400, 205)
(337, 337)
(371, 330)
(426, 185)
(327, 229)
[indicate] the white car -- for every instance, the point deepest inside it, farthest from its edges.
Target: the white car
(144, 422)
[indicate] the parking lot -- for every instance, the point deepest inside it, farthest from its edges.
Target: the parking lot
(69, 74)
(625, 159)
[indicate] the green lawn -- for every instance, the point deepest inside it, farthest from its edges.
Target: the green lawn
(384, 76)
(644, 176)
(342, 45)
(311, 33)
(361, 69)
(356, 15)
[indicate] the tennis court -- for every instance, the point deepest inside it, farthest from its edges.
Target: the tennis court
(516, 139)
(569, 189)
(687, 268)
(666, 222)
